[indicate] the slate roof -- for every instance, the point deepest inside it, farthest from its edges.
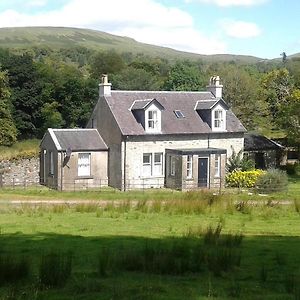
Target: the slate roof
(120, 103)
(77, 139)
(256, 142)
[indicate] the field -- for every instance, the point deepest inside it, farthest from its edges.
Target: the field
(150, 245)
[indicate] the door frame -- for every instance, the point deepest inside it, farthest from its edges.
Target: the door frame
(208, 171)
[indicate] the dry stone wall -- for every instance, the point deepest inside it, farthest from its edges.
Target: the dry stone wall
(20, 172)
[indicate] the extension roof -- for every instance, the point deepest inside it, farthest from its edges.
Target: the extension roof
(122, 102)
(77, 139)
(256, 142)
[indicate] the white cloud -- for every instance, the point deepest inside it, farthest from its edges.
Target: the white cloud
(230, 2)
(36, 3)
(144, 20)
(240, 29)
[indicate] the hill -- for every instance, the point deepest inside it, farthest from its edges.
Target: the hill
(62, 37)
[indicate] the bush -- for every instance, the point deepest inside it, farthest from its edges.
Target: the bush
(246, 179)
(273, 180)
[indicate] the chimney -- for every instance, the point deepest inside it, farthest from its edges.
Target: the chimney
(104, 86)
(215, 87)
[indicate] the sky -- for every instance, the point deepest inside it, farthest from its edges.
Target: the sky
(262, 28)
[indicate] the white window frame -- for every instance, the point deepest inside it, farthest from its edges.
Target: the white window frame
(217, 165)
(153, 164)
(218, 117)
(158, 164)
(84, 169)
(51, 162)
(147, 165)
(152, 119)
(189, 167)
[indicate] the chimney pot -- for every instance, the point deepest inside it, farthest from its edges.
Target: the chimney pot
(104, 86)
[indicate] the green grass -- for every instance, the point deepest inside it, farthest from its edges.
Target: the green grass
(109, 245)
(21, 149)
(63, 37)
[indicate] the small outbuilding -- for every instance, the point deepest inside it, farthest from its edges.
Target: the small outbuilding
(72, 159)
(265, 152)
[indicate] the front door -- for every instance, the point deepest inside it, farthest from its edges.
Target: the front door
(202, 171)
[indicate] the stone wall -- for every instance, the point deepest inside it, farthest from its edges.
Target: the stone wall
(20, 172)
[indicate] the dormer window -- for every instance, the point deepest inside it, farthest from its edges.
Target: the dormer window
(148, 113)
(218, 118)
(152, 119)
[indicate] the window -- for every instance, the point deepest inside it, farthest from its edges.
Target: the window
(84, 164)
(217, 165)
(158, 170)
(51, 169)
(218, 119)
(189, 166)
(152, 164)
(152, 119)
(147, 164)
(172, 165)
(179, 114)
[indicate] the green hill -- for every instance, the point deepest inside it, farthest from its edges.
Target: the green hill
(62, 37)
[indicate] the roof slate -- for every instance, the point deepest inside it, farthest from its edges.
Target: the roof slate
(120, 103)
(79, 139)
(255, 142)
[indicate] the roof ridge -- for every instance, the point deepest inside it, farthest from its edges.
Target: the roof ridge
(162, 92)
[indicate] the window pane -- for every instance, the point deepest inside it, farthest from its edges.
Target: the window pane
(157, 157)
(146, 158)
(84, 167)
(189, 166)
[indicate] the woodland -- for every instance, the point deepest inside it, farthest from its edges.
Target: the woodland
(42, 87)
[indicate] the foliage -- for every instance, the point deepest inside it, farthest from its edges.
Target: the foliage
(184, 76)
(8, 131)
(273, 180)
(237, 161)
(19, 150)
(51, 116)
(246, 179)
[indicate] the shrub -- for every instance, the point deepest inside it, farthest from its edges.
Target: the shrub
(246, 179)
(239, 162)
(273, 180)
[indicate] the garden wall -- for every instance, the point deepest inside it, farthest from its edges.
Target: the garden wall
(19, 172)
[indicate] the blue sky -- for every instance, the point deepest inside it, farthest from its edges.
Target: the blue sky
(263, 28)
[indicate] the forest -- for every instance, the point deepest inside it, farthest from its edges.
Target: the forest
(44, 87)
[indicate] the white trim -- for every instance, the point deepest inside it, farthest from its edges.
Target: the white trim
(54, 138)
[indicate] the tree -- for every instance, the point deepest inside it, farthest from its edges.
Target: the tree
(184, 76)
(241, 93)
(8, 131)
(25, 92)
(276, 89)
(135, 79)
(108, 62)
(51, 116)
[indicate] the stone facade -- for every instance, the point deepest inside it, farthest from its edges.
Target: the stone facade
(21, 172)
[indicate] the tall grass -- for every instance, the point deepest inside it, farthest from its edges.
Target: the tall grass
(13, 269)
(22, 149)
(55, 269)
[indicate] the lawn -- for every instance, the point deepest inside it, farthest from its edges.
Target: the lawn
(189, 246)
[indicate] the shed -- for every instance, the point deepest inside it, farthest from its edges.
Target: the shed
(72, 159)
(265, 152)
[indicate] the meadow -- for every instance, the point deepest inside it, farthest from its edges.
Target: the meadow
(150, 245)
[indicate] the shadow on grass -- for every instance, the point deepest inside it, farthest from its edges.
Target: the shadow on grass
(113, 267)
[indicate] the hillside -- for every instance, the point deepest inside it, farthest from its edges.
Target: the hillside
(61, 37)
